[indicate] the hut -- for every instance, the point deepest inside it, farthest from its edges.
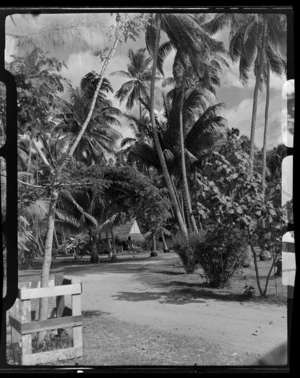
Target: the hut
(121, 233)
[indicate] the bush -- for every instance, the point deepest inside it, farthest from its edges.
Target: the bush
(221, 254)
(187, 250)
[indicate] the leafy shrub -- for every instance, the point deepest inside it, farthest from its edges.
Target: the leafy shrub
(221, 254)
(187, 250)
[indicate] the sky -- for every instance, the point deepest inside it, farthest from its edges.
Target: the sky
(80, 60)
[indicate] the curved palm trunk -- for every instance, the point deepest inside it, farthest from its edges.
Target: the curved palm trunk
(186, 193)
(178, 199)
(266, 132)
(155, 135)
(255, 97)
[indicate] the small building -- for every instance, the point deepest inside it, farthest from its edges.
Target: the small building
(122, 232)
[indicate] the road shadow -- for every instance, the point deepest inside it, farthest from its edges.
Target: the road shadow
(179, 297)
(203, 290)
(169, 273)
(93, 313)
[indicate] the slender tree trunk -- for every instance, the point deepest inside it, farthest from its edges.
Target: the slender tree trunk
(178, 199)
(29, 159)
(186, 193)
(94, 247)
(155, 134)
(255, 98)
(255, 266)
(43, 310)
(113, 245)
(153, 251)
(182, 207)
(263, 178)
(166, 249)
(140, 104)
(185, 206)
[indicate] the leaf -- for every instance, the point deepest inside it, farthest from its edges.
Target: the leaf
(239, 210)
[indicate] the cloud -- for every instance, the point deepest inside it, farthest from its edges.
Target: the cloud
(240, 115)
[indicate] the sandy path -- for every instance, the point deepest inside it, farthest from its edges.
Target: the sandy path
(242, 328)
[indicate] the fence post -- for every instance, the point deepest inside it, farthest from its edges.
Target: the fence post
(26, 318)
(76, 310)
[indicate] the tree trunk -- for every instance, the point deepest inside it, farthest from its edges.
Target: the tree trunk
(140, 104)
(255, 266)
(153, 250)
(29, 159)
(166, 249)
(155, 134)
(182, 207)
(113, 245)
(185, 207)
(94, 251)
(43, 311)
(179, 200)
(263, 178)
(86, 122)
(186, 193)
(255, 97)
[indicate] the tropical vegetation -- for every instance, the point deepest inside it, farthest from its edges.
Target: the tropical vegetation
(184, 170)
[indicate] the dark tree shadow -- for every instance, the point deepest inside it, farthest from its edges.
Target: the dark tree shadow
(169, 272)
(179, 297)
(93, 313)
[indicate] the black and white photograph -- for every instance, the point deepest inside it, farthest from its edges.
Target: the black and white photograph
(150, 193)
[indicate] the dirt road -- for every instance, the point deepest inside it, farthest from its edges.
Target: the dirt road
(125, 310)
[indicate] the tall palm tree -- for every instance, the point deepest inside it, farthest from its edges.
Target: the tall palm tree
(254, 40)
(139, 75)
(186, 36)
(205, 80)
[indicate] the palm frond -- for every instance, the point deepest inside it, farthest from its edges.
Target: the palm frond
(66, 217)
(277, 62)
(127, 141)
(150, 34)
(217, 23)
(125, 90)
(121, 73)
(163, 51)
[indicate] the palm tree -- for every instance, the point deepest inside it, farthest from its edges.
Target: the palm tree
(139, 74)
(100, 137)
(255, 39)
(203, 129)
(186, 35)
(205, 80)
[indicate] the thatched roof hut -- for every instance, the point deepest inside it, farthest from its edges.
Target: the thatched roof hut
(123, 231)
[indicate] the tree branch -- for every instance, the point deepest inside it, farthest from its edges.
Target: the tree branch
(27, 183)
(42, 155)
